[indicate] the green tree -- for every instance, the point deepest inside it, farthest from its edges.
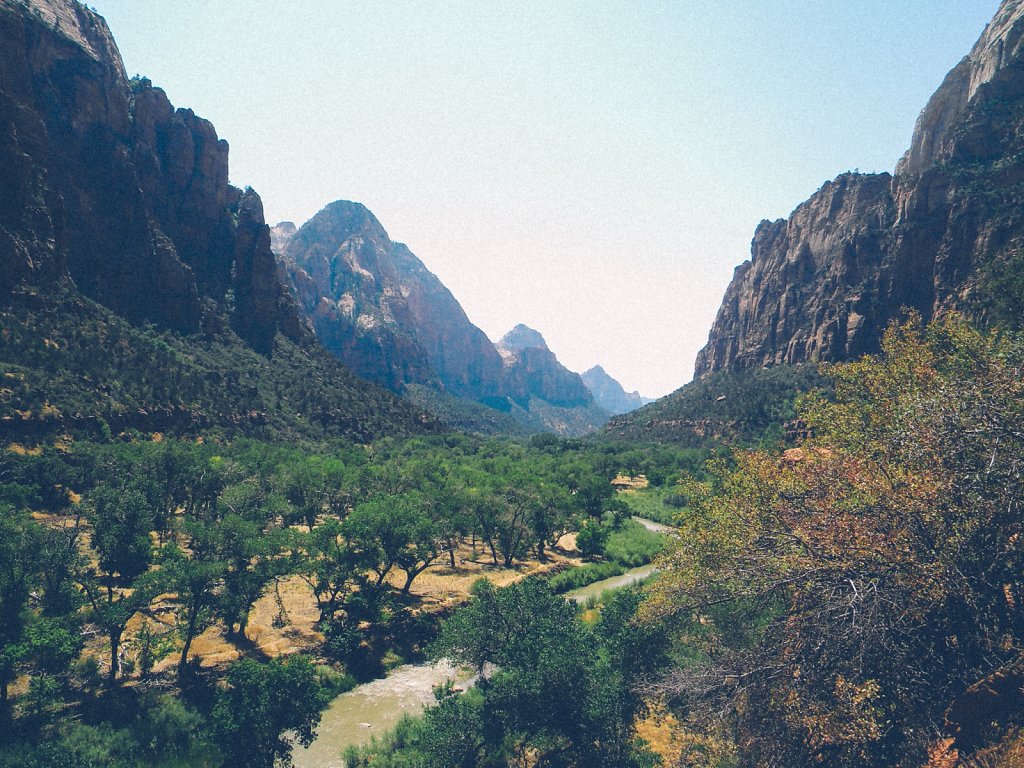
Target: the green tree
(393, 531)
(261, 702)
(20, 546)
(331, 568)
(548, 698)
(119, 586)
(196, 581)
(121, 521)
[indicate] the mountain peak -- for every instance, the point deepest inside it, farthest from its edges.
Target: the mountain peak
(610, 394)
(281, 234)
(340, 220)
(523, 337)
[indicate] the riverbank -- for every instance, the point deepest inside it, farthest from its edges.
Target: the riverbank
(354, 718)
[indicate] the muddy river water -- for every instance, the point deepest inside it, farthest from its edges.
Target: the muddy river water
(371, 709)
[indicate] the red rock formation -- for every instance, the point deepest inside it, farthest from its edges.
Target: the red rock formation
(106, 183)
(825, 283)
(381, 311)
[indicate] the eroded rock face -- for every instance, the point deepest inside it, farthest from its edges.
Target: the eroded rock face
(824, 284)
(999, 46)
(106, 183)
(609, 394)
(532, 370)
(381, 311)
(280, 234)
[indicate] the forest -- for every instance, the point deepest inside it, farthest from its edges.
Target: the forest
(850, 598)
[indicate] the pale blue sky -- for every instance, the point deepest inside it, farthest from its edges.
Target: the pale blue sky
(592, 169)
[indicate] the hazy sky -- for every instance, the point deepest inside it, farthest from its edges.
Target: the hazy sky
(592, 169)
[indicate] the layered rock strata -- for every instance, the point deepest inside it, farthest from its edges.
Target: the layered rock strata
(107, 184)
(824, 284)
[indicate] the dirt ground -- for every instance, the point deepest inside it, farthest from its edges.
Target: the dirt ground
(278, 627)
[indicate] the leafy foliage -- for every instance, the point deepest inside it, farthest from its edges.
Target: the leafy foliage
(69, 365)
(262, 701)
(842, 594)
(543, 696)
(727, 408)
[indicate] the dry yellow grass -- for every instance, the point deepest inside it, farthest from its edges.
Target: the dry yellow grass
(21, 450)
(276, 632)
(626, 482)
(659, 730)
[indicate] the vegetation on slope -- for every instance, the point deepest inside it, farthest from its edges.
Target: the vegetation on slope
(67, 365)
(117, 558)
(856, 601)
(752, 407)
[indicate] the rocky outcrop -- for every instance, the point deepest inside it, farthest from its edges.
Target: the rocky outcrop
(998, 47)
(376, 306)
(522, 337)
(107, 184)
(280, 234)
(825, 283)
(533, 371)
(609, 393)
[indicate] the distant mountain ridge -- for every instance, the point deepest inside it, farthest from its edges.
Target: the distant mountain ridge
(378, 309)
(609, 393)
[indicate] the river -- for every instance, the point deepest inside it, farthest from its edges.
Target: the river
(355, 717)
(372, 709)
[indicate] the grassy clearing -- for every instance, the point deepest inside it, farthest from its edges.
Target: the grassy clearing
(574, 578)
(629, 547)
(657, 504)
(633, 545)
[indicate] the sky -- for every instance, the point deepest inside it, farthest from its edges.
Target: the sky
(592, 169)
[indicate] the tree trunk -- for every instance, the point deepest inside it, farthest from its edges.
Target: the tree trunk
(243, 622)
(193, 616)
(115, 644)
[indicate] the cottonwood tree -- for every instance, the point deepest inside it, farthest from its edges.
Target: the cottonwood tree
(260, 703)
(119, 586)
(838, 596)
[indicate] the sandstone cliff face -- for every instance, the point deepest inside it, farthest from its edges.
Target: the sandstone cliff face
(532, 370)
(378, 309)
(999, 46)
(825, 283)
(108, 185)
(280, 234)
(609, 393)
(381, 311)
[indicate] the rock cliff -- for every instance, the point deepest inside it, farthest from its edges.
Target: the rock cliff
(115, 214)
(825, 283)
(533, 371)
(609, 393)
(376, 306)
(107, 184)
(378, 309)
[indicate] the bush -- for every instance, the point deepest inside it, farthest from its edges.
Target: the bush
(574, 578)
(633, 545)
